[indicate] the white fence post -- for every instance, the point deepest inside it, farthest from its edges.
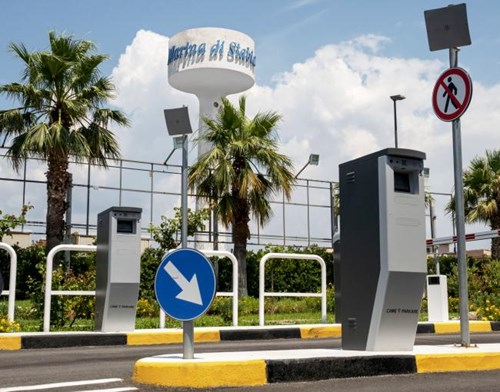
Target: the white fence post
(48, 279)
(12, 280)
(295, 256)
(234, 294)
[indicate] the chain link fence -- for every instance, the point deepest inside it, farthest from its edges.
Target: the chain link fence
(304, 220)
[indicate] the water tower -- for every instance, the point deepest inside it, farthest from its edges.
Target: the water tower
(211, 63)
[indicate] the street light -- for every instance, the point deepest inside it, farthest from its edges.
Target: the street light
(395, 98)
(178, 125)
(313, 160)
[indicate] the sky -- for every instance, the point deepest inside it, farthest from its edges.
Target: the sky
(328, 66)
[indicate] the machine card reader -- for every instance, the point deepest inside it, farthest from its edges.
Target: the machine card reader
(382, 250)
(118, 268)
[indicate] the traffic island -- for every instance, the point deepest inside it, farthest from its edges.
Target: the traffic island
(209, 370)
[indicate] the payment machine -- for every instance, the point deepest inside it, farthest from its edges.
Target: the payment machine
(437, 298)
(383, 266)
(118, 268)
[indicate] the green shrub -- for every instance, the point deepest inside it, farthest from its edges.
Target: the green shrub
(65, 310)
(147, 308)
(150, 260)
(248, 305)
(27, 259)
(223, 307)
(288, 275)
(487, 307)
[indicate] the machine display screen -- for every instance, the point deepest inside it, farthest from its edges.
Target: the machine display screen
(402, 182)
(125, 226)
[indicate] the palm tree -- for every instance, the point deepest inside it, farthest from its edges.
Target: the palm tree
(60, 115)
(482, 194)
(241, 171)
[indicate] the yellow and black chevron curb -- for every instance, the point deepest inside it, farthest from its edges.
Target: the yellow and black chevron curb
(17, 341)
(209, 373)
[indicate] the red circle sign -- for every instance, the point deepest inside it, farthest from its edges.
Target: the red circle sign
(452, 94)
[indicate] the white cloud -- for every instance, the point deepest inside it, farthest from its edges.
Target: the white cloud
(335, 103)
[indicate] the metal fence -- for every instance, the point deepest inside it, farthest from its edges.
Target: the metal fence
(304, 220)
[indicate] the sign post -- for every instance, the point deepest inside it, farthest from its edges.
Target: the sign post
(185, 289)
(447, 28)
(178, 123)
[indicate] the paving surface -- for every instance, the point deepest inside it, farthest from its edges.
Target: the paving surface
(262, 367)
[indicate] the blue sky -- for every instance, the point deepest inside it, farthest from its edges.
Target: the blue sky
(285, 31)
(328, 66)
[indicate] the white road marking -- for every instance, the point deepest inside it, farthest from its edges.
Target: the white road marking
(112, 390)
(66, 384)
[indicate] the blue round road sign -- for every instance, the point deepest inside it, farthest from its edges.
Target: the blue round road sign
(185, 284)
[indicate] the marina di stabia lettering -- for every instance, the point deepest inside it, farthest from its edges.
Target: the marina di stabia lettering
(193, 52)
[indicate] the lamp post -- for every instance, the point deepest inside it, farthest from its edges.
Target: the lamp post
(313, 160)
(178, 125)
(396, 98)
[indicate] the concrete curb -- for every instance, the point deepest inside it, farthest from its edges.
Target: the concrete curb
(17, 341)
(259, 368)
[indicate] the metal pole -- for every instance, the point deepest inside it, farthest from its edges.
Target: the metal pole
(333, 214)
(308, 216)
(187, 326)
(433, 235)
(69, 200)
(284, 220)
(184, 196)
(151, 174)
(121, 183)
(395, 126)
(460, 222)
(88, 200)
(24, 185)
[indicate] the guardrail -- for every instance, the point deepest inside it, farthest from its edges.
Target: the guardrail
(11, 292)
(295, 256)
(234, 293)
(48, 279)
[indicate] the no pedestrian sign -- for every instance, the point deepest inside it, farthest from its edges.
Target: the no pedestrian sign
(452, 94)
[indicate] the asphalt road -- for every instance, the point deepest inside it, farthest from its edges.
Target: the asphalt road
(114, 364)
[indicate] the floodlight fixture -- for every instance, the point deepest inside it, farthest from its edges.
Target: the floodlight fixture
(313, 160)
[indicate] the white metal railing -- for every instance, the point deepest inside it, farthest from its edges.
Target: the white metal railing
(11, 292)
(234, 293)
(294, 256)
(48, 279)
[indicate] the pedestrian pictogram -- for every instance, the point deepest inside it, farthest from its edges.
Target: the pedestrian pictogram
(185, 284)
(452, 94)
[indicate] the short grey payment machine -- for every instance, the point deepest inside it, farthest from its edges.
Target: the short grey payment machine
(118, 268)
(383, 255)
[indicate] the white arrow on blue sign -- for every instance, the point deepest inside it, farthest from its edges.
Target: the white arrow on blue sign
(185, 284)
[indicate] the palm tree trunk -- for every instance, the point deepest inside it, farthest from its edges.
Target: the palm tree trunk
(57, 184)
(495, 242)
(240, 252)
(241, 233)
